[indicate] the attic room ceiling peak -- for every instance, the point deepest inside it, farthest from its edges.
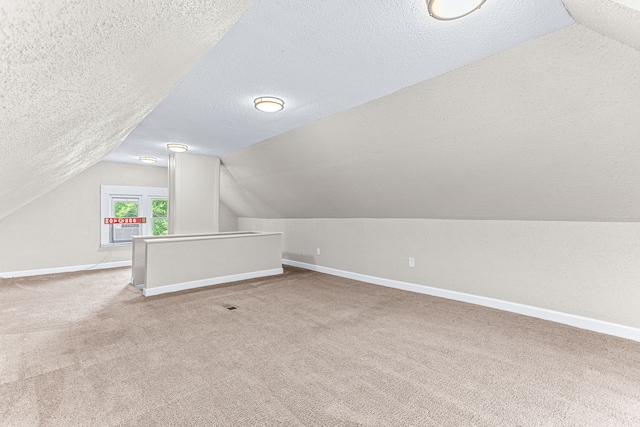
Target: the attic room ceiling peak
(323, 58)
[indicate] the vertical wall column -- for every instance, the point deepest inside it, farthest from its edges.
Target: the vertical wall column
(194, 194)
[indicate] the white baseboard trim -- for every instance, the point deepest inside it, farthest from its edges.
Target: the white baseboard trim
(587, 323)
(147, 292)
(39, 272)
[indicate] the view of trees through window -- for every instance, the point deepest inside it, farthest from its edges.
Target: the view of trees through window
(159, 214)
(129, 209)
(150, 204)
(125, 209)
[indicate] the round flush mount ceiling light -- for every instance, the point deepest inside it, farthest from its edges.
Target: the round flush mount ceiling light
(148, 159)
(268, 104)
(177, 148)
(446, 10)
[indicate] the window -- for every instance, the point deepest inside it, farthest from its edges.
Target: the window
(124, 208)
(159, 221)
(132, 211)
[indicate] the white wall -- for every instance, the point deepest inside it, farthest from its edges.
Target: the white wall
(194, 194)
(543, 131)
(228, 219)
(62, 227)
(82, 79)
(590, 269)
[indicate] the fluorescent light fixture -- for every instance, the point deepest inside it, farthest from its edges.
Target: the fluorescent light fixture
(148, 159)
(177, 148)
(268, 104)
(446, 10)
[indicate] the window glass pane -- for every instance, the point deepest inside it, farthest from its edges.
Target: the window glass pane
(160, 227)
(159, 208)
(125, 209)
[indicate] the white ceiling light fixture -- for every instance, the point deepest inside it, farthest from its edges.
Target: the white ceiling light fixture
(177, 148)
(148, 159)
(446, 10)
(268, 104)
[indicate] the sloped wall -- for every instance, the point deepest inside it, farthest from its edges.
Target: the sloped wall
(544, 131)
(228, 219)
(514, 178)
(77, 77)
(617, 19)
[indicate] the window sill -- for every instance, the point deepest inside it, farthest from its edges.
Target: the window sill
(115, 245)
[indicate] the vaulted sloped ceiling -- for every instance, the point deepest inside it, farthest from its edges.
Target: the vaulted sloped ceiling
(77, 77)
(323, 58)
(547, 130)
(617, 19)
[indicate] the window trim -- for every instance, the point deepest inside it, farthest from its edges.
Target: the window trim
(143, 194)
(152, 218)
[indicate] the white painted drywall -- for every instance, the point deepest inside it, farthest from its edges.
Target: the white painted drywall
(545, 131)
(617, 19)
(62, 227)
(194, 194)
(179, 260)
(323, 57)
(228, 219)
(77, 76)
(588, 269)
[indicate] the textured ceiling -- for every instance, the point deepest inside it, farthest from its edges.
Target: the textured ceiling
(544, 131)
(376, 124)
(323, 58)
(617, 19)
(77, 77)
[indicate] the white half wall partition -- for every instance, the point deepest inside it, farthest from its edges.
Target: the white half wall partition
(139, 252)
(176, 263)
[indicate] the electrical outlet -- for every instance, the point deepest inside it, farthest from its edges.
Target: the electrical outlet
(412, 262)
(318, 251)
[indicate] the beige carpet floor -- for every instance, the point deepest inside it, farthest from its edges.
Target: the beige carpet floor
(301, 349)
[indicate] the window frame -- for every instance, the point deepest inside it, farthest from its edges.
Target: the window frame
(157, 218)
(144, 195)
(112, 214)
